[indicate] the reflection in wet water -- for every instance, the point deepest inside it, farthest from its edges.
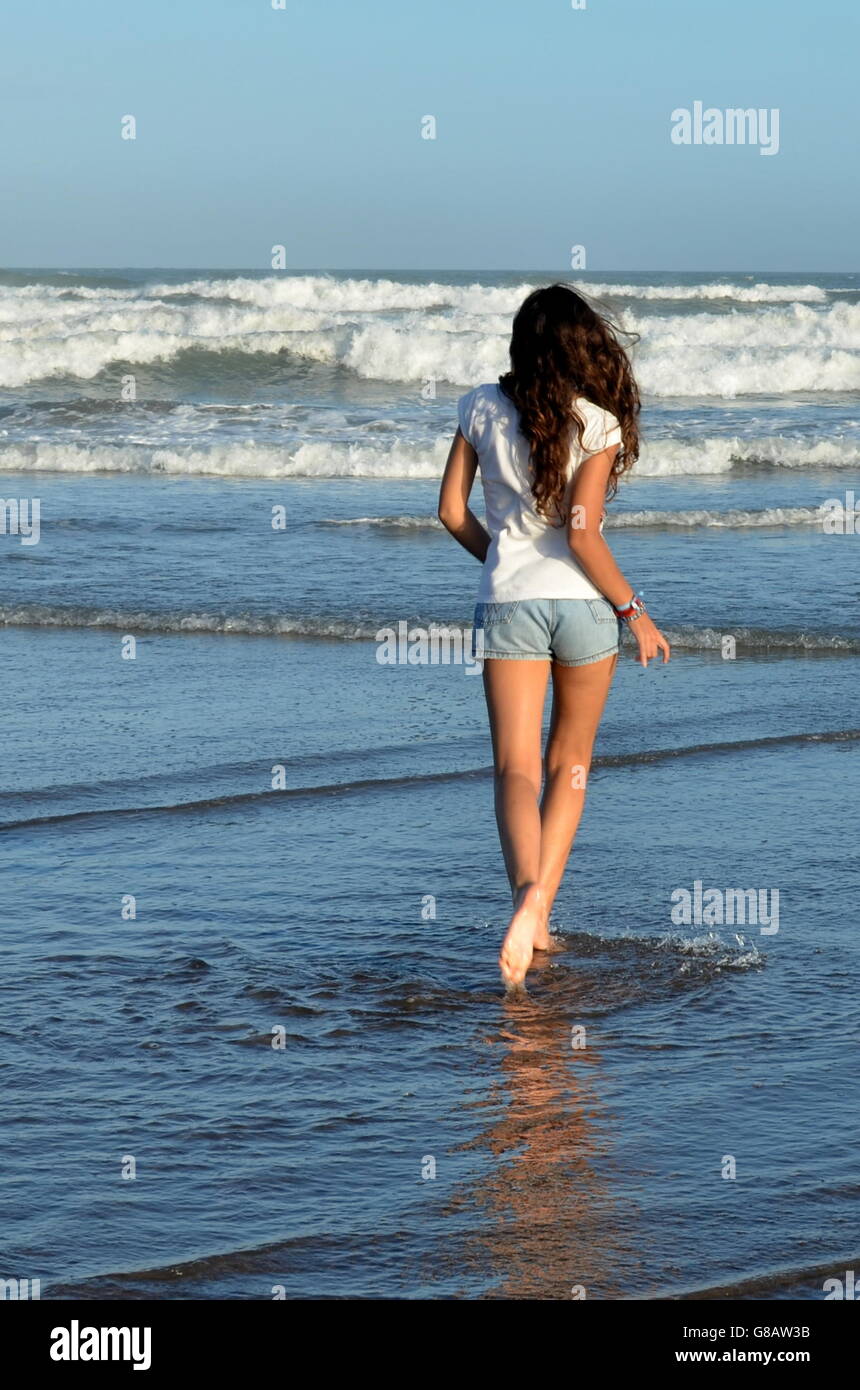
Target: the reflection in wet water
(554, 1225)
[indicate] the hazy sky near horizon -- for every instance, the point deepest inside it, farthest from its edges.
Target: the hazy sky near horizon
(302, 126)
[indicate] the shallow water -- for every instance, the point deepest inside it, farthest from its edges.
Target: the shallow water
(414, 1133)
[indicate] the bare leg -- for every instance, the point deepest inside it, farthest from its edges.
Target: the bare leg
(579, 696)
(515, 692)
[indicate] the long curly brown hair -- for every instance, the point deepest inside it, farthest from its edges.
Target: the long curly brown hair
(561, 348)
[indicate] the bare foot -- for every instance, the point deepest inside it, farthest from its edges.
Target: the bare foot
(527, 926)
(545, 941)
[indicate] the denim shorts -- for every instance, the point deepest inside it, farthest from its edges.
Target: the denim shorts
(570, 631)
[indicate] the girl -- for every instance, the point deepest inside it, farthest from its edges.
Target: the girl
(551, 441)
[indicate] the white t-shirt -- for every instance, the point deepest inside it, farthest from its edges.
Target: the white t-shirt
(529, 557)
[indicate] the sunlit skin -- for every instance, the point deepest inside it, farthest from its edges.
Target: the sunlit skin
(537, 831)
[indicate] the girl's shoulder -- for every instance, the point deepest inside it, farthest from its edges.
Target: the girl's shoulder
(600, 427)
(589, 410)
(483, 405)
(489, 392)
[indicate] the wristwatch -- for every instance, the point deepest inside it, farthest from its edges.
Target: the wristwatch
(632, 610)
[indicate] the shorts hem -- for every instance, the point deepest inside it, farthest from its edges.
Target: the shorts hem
(589, 660)
(514, 656)
(547, 656)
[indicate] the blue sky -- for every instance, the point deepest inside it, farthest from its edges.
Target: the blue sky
(302, 127)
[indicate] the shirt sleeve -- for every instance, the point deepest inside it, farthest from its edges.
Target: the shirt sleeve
(602, 430)
(464, 415)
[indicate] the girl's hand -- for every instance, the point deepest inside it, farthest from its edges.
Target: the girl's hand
(649, 638)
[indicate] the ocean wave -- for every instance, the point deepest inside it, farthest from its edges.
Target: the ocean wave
(404, 332)
(402, 458)
(316, 459)
(669, 457)
(750, 639)
(256, 1259)
(387, 523)
(735, 519)
(710, 947)
(761, 293)
(381, 294)
(348, 629)
(372, 295)
(136, 621)
(793, 1283)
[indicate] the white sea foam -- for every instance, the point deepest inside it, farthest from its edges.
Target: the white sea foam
(391, 331)
(130, 620)
(379, 295)
(668, 457)
(327, 294)
(387, 523)
(245, 460)
(396, 458)
(346, 629)
(733, 519)
(761, 293)
(752, 639)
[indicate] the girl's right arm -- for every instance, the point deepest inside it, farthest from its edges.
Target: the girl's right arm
(455, 513)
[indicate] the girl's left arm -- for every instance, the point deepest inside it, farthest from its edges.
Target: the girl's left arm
(594, 556)
(454, 511)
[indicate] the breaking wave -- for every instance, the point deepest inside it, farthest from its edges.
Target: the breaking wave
(791, 339)
(402, 458)
(348, 629)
